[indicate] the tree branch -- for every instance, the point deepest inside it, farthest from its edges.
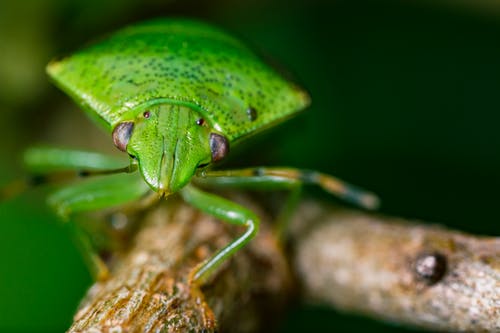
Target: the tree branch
(384, 267)
(403, 272)
(148, 290)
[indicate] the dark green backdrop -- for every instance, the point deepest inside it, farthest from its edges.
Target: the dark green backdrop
(405, 102)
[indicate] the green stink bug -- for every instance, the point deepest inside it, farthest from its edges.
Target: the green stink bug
(175, 95)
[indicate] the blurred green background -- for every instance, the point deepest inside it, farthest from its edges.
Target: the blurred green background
(405, 103)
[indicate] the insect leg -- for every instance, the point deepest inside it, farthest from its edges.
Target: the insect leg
(45, 162)
(281, 178)
(98, 193)
(98, 268)
(286, 213)
(264, 183)
(227, 211)
(94, 194)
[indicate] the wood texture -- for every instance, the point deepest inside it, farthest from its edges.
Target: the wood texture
(149, 288)
(405, 272)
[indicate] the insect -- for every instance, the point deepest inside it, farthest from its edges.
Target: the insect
(175, 95)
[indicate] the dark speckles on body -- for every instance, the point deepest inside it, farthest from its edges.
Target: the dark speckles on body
(252, 113)
(132, 82)
(171, 59)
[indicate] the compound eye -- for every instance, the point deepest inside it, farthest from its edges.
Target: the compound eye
(121, 135)
(219, 145)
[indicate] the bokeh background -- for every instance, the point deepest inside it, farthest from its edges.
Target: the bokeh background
(406, 102)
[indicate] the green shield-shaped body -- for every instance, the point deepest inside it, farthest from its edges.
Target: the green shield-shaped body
(150, 83)
(178, 61)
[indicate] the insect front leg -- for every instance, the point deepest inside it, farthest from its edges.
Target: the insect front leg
(264, 183)
(45, 160)
(227, 211)
(270, 178)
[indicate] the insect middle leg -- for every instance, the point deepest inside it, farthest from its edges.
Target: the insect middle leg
(94, 194)
(268, 178)
(44, 162)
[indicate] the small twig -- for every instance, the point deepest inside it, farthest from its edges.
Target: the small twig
(149, 289)
(384, 267)
(399, 271)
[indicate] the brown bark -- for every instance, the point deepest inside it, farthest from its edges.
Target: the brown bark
(409, 273)
(388, 268)
(149, 289)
